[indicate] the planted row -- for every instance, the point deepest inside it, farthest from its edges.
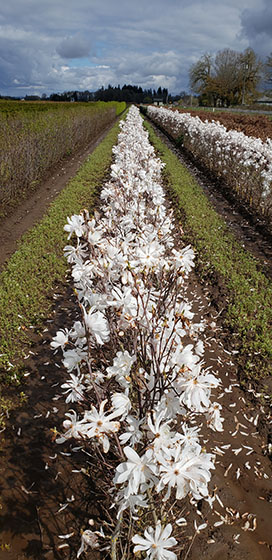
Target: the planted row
(32, 142)
(242, 162)
(134, 357)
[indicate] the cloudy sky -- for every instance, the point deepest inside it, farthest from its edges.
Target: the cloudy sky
(57, 45)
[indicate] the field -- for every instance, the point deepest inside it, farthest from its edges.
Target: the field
(242, 164)
(140, 374)
(259, 126)
(36, 136)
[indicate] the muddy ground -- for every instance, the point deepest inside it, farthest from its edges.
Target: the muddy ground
(43, 499)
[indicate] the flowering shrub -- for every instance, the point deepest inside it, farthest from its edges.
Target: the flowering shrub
(243, 162)
(134, 358)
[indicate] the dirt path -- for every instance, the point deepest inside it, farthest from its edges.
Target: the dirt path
(34, 207)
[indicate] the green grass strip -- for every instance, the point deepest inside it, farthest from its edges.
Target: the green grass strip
(221, 259)
(31, 273)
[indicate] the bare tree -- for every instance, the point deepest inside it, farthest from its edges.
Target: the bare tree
(231, 78)
(268, 69)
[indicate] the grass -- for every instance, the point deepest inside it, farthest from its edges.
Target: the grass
(222, 261)
(29, 277)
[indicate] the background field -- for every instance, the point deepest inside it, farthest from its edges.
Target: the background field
(35, 136)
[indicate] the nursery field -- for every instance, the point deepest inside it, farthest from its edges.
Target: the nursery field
(36, 136)
(259, 126)
(139, 369)
(241, 164)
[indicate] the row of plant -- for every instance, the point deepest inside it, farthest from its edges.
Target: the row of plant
(134, 358)
(259, 126)
(244, 291)
(32, 142)
(39, 261)
(243, 163)
(14, 108)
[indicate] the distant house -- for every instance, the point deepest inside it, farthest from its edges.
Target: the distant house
(265, 100)
(158, 101)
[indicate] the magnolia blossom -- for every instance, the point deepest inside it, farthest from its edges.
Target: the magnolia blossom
(133, 432)
(73, 427)
(75, 225)
(98, 326)
(99, 425)
(75, 388)
(135, 471)
(132, 502)
(121, 403)
(214, 419)
(60, 340)
(160, 431)
(156, 542)
(122, 364)
(196, 389)
(187, 469)
(72, 358)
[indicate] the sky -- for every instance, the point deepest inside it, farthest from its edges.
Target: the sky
(61, 45)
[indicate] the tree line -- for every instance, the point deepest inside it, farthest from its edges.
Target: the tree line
(128, 93)
(229, 77)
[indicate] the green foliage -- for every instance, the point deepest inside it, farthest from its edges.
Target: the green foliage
(31, 273)
(248, 292)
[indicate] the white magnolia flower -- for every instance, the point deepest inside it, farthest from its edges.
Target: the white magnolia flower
(99, 425)
(75, 388)
(75, 225)
(133, 502)
(60, 340)
(156, 543)
(170, 404)
(214, 418)
(183, 260)
(75, 254)
(149, 255)
(135, 471)
(196, 389)
(72, 358)
(95, 233)
(121, 403)
(189, 436)
(133, 433)
(160, 431)
(188, 469)
(122, 364)
(73, 427)
(98, 326)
